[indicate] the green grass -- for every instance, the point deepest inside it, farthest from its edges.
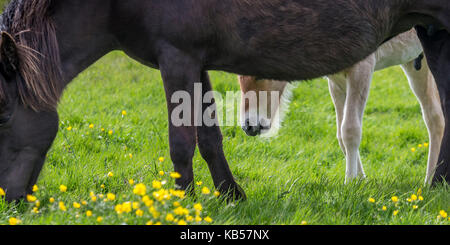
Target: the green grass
(298, 176)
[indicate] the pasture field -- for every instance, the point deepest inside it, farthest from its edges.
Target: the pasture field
(295, 178)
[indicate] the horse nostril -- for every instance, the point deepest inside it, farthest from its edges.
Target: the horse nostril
(251, 130)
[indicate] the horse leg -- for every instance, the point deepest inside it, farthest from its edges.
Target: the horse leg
(179, 73)
(424, 87)
(437, 51)
(338, 87)
(359, 78)
(209, 139)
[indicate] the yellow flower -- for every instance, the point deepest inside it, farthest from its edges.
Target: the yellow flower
(94, 198)
(51, 200)
(420, 145)
(63, 188)
(384, 208)
(135, 205)
(111, 196)
(408, 199)
(413, 197)
(149, 223)
(130, 155)
(415, 207)
(443, 214)
(198, 218)
(198, 207)
(421, 198)
(395, 212)
(181, 211)
(62, 207)
(76, 205)
(157, 184)
(127, 207)
(161, 173)
(89, 213)
(199, 183)
(35, 210)
(124, 113)
(413, 149)
(69, 128)
(371, 200)
(140, 189)
(182, 222)
(139, 213)
(205, 190)
(176, 204)
(2, 192)
(35, 188)
(110, 132)
(103, 130)
(175, 175)
(304, 223)
(110, 174)
(37, 203)
(189, 218)
(91, 125)
(216, 193)
(99, 219)
(169, 217)
(14, 221)
(31, 198)
(161, 159)
(425, 144)
(102, 186)
(394, 199)
(131, 181)
(208, 219)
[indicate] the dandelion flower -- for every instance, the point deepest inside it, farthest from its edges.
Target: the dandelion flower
(94, 198)
(415, 207)
(124, 113)
(31, 198)
(14, 221)
(420, 145)
(413, 149)
(111, 196)
(182, 222)
(2, 192)
(110, 132)
(51, 200)
(199, 183)
(395, 212)
(91, 126)
(139, 213)
(443, 214)
(156, 184)
(384, 208)
(394, 199)
(69, 128)
(89, 213)
(205, 190)
(425, 144)
(131, 181)
(62, 207)
(110, 174)
(140, 189)
(35, 188)
(99, 219)
(216, 193)
(371, 200)
(161, 173)
(420, 198)
(161, 159)
(304, 223)
(175, 175)
(76, 205)
(37, 203)
(170, 217)
(63, 188)
(198, 207)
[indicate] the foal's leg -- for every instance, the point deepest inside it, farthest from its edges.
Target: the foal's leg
(424, 87)
(358, 86)
(437, 51)
(338, 91)
(209, 140)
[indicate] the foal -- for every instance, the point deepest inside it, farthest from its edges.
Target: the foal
(349, 90)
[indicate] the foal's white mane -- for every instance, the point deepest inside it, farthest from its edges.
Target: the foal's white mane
(281, 112)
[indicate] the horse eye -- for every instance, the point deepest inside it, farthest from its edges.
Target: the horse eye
(4, 119)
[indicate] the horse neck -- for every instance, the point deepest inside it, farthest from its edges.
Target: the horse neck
(82, 35)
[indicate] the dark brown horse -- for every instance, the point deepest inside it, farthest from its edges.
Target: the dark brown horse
(46, 43)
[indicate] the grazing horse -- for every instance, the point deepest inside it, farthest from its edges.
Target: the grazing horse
(46, 43)
(349, 90)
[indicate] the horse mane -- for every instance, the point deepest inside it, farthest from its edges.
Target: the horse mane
(31, 25)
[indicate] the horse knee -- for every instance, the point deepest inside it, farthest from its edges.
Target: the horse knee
(351, 134)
